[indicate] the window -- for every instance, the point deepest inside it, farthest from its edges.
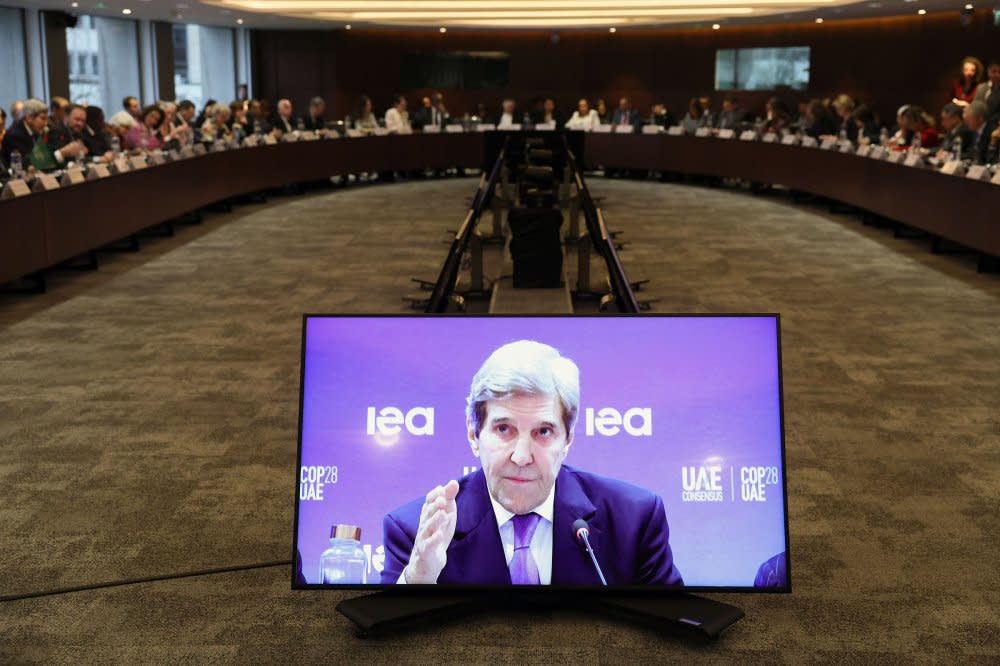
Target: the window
(103, 62)
(14, 80)
(762, 69)
(204, 64)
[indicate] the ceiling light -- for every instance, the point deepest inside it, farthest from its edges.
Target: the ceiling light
(126, 11)
(347, 27)
(921, 11)
(239, 21)
(716, 26)
(968, 6)
(74, 5)
(442, 29)
(612, 29)
(452, 5)
(819, 20)
(538, 13)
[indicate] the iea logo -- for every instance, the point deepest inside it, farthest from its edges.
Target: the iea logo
(608, 422)
(391, 420)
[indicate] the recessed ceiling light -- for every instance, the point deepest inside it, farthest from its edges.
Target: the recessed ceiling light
(612, 29)
(921, 11)
(819, 20)
(716, 26)
(126, 11)
(442, 29)
(347, 27)
(74, 5)
(969, 6)
(239, 21)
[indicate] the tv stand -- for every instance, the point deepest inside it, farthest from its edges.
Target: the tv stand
(677, 613)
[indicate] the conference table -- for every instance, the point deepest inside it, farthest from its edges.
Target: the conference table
(45, 229)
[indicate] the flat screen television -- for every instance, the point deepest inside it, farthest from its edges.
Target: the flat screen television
(575, 454)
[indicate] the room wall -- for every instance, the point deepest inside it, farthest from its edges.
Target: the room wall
(886, 62)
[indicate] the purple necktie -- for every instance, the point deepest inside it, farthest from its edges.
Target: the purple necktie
(523, 570)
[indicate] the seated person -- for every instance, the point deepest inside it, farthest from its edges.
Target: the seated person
(819, 122)
(364, 119)
(776, 117)
(239, 126)
(510, 522)
(920, 125)
(30, 137)
(625, 117)
(4, 169)
(118, 126)
(548, 112)
(95, 135)
(507, 110)
(963, 89)
(708, 117)
(843, 106)
(257, 118)
(283, 120)
(144, 135)
(660, 116)
(397, 119)
(584, 118)
(982, 148)
(422, 116)
(602, 112)
(955, 132)
(988, 92)
(77, 130)
(868, 130)
(694, 117)
(312, 121)
(216, 127)
(169, 133)
(732, 115)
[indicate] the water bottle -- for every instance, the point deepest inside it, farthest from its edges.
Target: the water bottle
(258, 129)
(344, 562)
(526, 121)
(957, 148)
(883, 137)
(116, 146)
(915, 144)
(301, 126)
(843, 135)
(16, 166)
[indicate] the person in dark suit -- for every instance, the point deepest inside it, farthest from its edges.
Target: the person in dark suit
(625, 118)
(511, 521)
(4, 168)
(981, 149)
(23, 135)
(732, 115)
(283, 118)
(955, 131)
(95, 136)
(867, 124)
(988, 92)
(819, 121)
(314, 120)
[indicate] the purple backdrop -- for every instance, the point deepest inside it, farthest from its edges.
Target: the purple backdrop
(710, 385)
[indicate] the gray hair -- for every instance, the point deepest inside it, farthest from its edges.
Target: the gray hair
(978, 108)
(167, 107)
(122, 119)
(524, 367)
(33, 107)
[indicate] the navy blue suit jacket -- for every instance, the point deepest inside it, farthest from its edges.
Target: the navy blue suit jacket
(628, 532)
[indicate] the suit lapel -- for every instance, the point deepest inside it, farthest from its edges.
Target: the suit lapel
(570, 564)
(476, 552)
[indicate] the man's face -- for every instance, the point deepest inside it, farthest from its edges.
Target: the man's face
(727, 105)
(285, 109)
(37, 123)
(426, 101)
(59, 112)
(550, 106)
(133, 106)
(521, 447)
(187, 114)
(508, 106)
(949, 122)
(623, 104)
(318, 109)
(582, 107)
(704, 102)
(994, 74)
(77, 119)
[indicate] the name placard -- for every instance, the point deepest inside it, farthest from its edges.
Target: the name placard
(380, 131)
(676, 130)
(769, 137)
(789, 140)
(137, 162)
(98, 171)
(486, 127)
(977, 172)
(652, 129)
(703, 131)
(846, 147)
(173, 156)
(896, 157)
(74, 176)
(432, 129)
(308, 135)
(914, 159)
(863, 151)
(45, 182)
(200, 149)
(546, 127)
(187, 151)
(120, 165)
(809, 142)
(602, 129)
(726, 134)
(878, 153)
(14, 189)
(953, 168)
(454, 129)
(156, 159)
(270, 140)
(828, 144)
(250, 141)
(354, 133)
(748, 135)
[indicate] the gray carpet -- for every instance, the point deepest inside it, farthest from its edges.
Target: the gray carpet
(148, 418)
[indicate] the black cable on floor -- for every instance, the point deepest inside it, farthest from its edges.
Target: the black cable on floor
(150, 579)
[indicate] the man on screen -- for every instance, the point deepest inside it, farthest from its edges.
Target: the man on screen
(511, 521)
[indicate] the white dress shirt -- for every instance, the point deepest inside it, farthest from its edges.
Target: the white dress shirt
(506, 120)
(397, 121)
(541, 541)
(585, 123)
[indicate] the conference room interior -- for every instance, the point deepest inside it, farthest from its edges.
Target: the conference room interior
(182, 182)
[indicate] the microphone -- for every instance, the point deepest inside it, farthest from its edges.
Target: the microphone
(582, 533)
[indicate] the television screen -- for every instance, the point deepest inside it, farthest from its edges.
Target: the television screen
(492, 451)
(762, 68)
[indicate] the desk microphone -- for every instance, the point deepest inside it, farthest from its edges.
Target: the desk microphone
(582, 533)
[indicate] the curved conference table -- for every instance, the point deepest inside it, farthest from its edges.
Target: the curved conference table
(45, 229)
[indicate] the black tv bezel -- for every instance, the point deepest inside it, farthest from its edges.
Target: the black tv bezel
(527, 591)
